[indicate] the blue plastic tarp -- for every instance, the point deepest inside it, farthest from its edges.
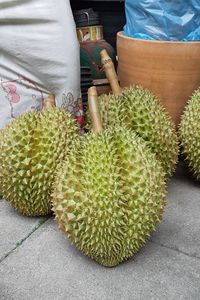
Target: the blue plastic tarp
(172, 20)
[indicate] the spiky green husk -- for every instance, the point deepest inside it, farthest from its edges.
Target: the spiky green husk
(1, 176)
(141, 111)
(31, 149)
(109, 195)
(190, 134)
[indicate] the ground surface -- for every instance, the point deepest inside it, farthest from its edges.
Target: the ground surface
(37, 261)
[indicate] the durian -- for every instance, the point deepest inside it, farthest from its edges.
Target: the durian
(190, 134)
(109, 194)
(139, 110)
(31, 148)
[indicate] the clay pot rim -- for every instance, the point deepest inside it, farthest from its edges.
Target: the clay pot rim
(122, 35)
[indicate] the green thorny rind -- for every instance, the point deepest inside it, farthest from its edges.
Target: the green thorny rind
(31, 148)
(190, 134)
(139, 110)
(109, 195)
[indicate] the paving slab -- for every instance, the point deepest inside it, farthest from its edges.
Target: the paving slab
(47, 266)
(44, 265)
(180, 227)
(14, 228)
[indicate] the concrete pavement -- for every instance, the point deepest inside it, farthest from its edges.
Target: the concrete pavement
(38, 262)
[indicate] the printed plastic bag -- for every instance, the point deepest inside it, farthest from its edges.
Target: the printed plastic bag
(39, 55)
(173, 20)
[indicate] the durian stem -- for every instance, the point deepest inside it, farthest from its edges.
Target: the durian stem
(110, 72)
(49, 102)
(94, 110)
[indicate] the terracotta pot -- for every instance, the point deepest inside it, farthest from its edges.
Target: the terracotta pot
(171, 70)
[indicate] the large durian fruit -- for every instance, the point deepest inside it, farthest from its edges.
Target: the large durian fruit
(139, 110)
(109, 194)
(31, 148)
(190, 134)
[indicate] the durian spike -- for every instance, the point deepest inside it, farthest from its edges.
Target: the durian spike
(94, 110)
(110, 72)
(49, 102)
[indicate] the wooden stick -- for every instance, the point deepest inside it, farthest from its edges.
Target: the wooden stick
(110, 72)
(94, 110)
(49, 102)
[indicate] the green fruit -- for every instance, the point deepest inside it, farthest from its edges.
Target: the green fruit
(190, 134)
(109, 195)
(1, 176)
(141, 111)
(31, 148)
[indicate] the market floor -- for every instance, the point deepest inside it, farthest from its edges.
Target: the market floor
(38, 262)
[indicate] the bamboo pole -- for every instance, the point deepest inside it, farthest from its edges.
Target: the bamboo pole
(94, 110)
(49, 102)
(110, 72)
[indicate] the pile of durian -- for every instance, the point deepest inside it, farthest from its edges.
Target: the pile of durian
(107, 187)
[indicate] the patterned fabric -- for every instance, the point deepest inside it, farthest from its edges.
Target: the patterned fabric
(39, 55)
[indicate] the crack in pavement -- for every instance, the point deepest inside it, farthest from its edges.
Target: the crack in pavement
(44, 220)
(19, 243)
(175, 249)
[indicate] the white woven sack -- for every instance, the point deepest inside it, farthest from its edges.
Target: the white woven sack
(39, 55)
